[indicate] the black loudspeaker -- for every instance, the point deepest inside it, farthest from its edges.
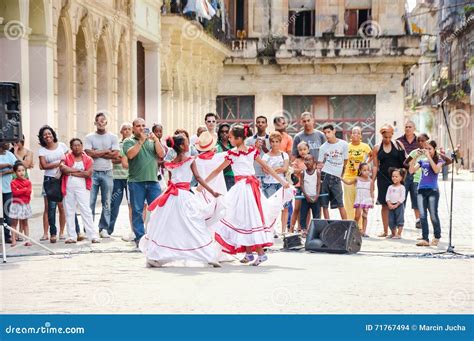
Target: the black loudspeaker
(333, 236)
(10, 112)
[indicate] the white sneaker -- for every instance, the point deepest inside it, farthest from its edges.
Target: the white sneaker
(104, 234)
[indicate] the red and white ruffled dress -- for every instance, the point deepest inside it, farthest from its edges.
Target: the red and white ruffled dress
(205, 164)
(177, 227)
(249, 216)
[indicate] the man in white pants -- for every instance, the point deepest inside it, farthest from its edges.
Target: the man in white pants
(76, 186)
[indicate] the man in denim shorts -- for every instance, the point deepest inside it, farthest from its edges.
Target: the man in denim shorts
(333, 156)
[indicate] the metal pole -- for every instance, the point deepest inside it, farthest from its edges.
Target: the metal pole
(453, 155)
(450, 246)
(31, 240)
(4, 250)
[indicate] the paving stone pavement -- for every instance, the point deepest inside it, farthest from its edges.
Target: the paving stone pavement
(387, 276)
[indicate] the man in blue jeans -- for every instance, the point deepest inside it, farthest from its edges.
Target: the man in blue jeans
(142, 151)
(103, 147)
(120, 175)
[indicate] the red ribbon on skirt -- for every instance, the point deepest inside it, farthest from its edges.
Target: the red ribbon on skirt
(255, 184)
(171, 190)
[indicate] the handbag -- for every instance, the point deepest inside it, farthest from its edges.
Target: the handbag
(52, 188)
(289, 173)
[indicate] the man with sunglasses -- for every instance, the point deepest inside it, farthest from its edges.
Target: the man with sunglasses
(211, 122)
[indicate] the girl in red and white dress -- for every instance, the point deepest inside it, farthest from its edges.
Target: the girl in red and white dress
(177, 228)
(249, 217)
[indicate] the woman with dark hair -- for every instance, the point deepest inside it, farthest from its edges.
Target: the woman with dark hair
(430, 163)
(50, 155)
(422, 140)
(76, 187)
(23, 154)
(388, 154)
(171, 153)
(223, 145)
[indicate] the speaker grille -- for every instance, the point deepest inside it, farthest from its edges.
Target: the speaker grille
(335, 235)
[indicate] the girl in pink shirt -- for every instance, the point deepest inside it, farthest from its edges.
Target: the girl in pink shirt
(395, 201)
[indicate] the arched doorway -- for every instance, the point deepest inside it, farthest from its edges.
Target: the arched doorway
(83, 117)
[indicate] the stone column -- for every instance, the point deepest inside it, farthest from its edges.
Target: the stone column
(166, 99)
(133, 77)
(166, 81)
(177, 104)
(269, 104)
(152, 83)
(389, 105)
(41, 91)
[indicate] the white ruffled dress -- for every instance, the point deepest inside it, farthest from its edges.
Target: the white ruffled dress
(177, 228)
(249, 216)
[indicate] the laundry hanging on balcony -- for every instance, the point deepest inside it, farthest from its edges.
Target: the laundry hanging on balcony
(202, 9)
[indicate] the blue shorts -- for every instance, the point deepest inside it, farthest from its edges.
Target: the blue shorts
(331, 185)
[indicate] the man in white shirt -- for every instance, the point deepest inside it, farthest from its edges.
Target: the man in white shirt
(103, 147)
(261, 141)
(333, 156)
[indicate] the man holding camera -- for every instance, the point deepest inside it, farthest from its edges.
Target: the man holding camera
(261, 141)
(410, 142)
(142, 149)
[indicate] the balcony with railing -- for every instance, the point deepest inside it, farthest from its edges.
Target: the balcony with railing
(302, 49)
(349, 47)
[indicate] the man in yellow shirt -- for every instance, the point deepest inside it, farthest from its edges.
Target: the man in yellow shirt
(358, 152)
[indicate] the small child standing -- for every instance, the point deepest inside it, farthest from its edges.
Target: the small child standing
(364, 195)
(395, 201)
(310, 187)
(20, 209)
(298, 168)
(280, 162)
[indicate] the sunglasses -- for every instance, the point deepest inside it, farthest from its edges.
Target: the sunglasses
(211, 121)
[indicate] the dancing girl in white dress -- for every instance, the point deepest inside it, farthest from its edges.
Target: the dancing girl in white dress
(177, 228)
(249, 216)
(206, 162)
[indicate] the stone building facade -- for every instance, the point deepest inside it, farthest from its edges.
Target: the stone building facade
(444, 73)
(342, 60)
(74, 58)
